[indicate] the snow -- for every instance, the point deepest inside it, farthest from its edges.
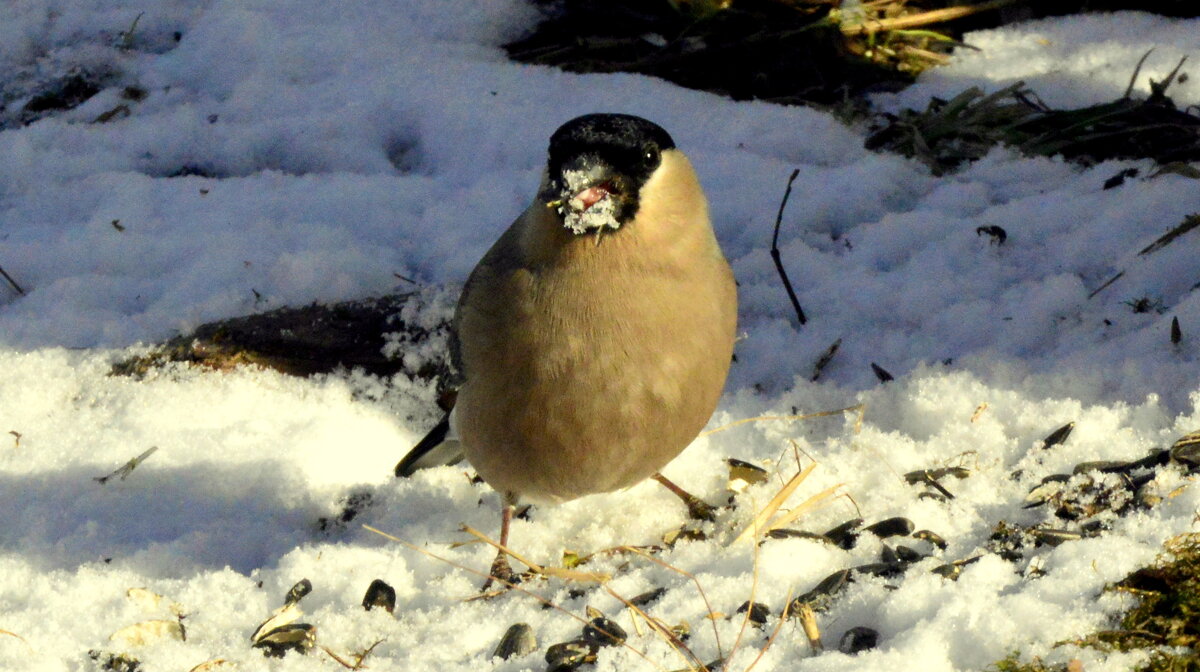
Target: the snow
(337, 145)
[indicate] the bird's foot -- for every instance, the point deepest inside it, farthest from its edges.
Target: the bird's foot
(697, 508)
(502, 573)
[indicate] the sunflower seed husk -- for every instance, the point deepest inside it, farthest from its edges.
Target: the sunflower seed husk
(1186, 450)
(858, 639)
(931, 537)
(743, 474)
(517, 641)
(299, 637)
(380, 594)
(569, 655)
(303, 587)
(602, 631)
(820, 597)
(891, 527)
(759, 612)
(846, 534)
(647, 597)
(148, 632)
(1058, 436)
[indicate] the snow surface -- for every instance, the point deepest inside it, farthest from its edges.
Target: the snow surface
(348, 142)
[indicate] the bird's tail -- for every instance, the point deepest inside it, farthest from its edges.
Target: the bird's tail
(440, 447)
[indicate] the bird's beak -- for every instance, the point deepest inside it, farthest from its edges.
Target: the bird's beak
(589, 196)
(585, 198)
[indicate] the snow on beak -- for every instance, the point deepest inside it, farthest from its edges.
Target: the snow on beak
(589, 196)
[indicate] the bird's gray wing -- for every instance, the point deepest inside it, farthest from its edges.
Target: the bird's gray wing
(441, 447)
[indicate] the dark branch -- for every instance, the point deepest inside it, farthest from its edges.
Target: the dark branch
(787, 284)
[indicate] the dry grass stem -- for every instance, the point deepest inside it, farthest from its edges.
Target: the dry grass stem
(808, 621)
(1137, 69)
(22, 640)
(358, 657)
(573, 575)
(1189, 222)
(862, 413)
(979, 411)
(923, 18)
(363, 656)
(509, 584)
(933, 56)
(749, 604)
(556, 572)
(808, 505)
(340, 661)
(806, 416)
(503, 549)
(760, 520)
(214, 664)
(797, 451)
(699, 588)
(661, 630)
(787, 605)
(857, 511)
(634, 612)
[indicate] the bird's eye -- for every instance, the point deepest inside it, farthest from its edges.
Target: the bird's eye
(650, 155)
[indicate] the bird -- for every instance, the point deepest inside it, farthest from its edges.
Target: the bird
(592, 341)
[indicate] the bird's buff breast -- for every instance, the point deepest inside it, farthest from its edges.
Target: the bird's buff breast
(624, 375)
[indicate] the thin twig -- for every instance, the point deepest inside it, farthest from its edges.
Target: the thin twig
(124, 470)
(787, 284)
(1106, 284)
(12, 282)
(364, 654)
(824, 359)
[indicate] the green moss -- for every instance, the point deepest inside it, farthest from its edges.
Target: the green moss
(1165, 621)
(1013, 664)
(1167, 616)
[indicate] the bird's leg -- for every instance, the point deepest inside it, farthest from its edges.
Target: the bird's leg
(697, 508)
(501, 570)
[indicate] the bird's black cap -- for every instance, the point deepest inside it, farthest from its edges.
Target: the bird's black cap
(617, 152)
(628, 143)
